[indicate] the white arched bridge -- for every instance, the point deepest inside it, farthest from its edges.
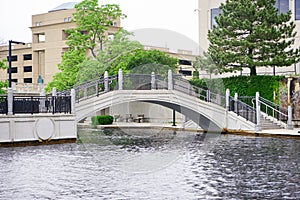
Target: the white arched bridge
(212, 112)
(55, 116)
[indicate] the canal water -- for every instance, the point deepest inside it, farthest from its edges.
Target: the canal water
(153, 164)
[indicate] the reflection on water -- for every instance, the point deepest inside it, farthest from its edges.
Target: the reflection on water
(149, 164)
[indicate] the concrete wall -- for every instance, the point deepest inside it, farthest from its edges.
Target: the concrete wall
(21, 128)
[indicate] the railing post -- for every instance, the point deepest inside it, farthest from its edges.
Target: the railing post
(236, 98)
(258, 125)
(43, 101)
(208, 95)
(10, 101)
(120, 79)
(152, 81)
(106, 84)
(227, 99)
(54, 95)
(170, 80)
(73, 101)
(290, 117)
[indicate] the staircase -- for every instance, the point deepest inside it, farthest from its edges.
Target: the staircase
(267, 124)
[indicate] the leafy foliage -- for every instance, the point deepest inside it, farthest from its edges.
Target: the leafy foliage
(102, 120)
(114, 52)
(205, 62)
(243, 85)
(250, 34)
(145, 62)
(92, 21)
(3, 84)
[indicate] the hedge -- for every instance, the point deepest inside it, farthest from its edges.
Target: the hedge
(243, 85)
(102, 120)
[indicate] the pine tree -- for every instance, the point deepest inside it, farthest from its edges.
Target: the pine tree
(250, 34)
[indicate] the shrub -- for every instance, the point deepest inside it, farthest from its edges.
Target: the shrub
(243, 85)
(102, 120)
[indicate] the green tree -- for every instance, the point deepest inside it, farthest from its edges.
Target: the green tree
(115, 50)
(204, 62)
(250, 34)
(3, 84)
(91, 23)
(146, 61)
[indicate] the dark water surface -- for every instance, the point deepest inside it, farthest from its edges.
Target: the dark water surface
(153, 164)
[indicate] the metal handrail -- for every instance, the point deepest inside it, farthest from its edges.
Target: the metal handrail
(277, 114)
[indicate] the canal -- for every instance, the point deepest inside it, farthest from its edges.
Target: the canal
(153, 164)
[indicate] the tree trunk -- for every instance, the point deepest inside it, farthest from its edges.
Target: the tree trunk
(253, 71)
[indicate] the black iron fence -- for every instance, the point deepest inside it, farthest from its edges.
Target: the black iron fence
(33, 104)
(3, 105)
(242, 109)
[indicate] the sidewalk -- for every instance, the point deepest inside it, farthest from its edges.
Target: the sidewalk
(272, 132)
(281, 132)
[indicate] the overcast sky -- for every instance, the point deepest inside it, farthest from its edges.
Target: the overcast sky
(178, 16)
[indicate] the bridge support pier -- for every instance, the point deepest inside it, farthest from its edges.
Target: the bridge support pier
(174, 118)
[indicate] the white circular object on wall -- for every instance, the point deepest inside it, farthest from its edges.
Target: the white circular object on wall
(44, 128)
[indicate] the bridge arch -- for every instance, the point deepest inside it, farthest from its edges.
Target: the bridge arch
(207, 115)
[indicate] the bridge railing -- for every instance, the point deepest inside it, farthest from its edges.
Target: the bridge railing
(202, 93)
(267, 107)
(273, 110)
(242, 109)
(95, 87)
(145, 82)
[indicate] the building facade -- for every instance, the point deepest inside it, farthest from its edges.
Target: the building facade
(209, 9)
(38, 61)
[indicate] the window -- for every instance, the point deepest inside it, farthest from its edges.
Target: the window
(13, 58)
(27, 80)
(27, 57)
(186, 72)
(27, 68)
(38, 23)
(65, 34)
(282, 6)
(297, 9)
(67, 19)
(115, 24)
(14, 70)
(214, 12)
(14, 80)
(185, 62)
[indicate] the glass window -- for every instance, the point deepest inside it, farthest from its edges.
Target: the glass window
(27, 56)
(297, 9)
(13, 70)
(185, 62)
(214, 12)
(13, 58)
(27, 68)
(27, 80)
(282, 6)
